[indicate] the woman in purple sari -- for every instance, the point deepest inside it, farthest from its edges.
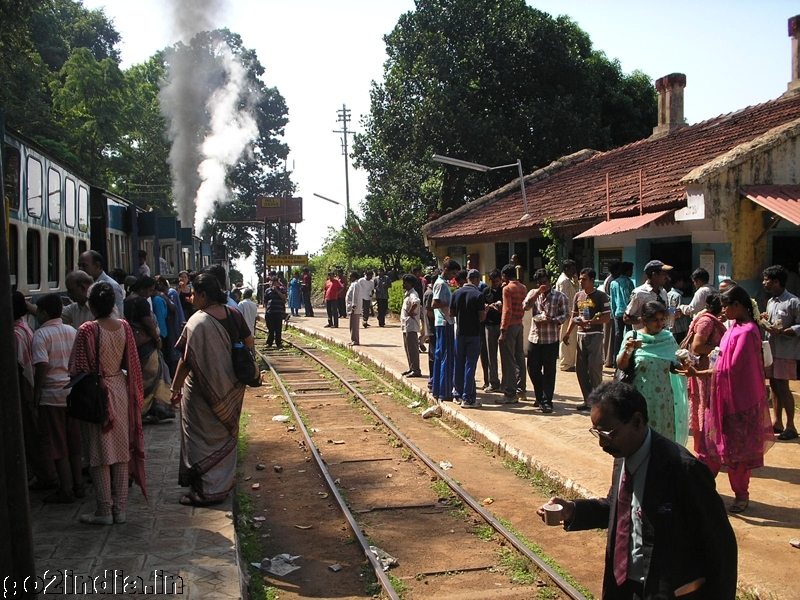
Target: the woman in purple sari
(737, 420)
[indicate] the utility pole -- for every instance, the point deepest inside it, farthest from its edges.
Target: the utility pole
(344, 119)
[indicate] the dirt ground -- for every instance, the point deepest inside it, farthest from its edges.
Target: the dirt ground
(301, 518)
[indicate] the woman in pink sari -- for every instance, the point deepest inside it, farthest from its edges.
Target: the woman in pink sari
(737, 420)
(116, 447)
(705, 333)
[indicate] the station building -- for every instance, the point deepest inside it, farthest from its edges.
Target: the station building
(723, 194)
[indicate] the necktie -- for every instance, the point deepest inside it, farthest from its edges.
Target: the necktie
(622, 540)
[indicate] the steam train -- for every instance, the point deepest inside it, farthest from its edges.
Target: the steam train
(53, 215)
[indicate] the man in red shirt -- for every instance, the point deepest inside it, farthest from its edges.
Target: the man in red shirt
(332, 289)
(512, 353)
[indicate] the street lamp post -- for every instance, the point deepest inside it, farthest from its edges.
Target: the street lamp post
(456, 162)
(346, 222)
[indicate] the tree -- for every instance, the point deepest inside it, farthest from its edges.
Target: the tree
(140, 170)
(488, 81)
(87, 99)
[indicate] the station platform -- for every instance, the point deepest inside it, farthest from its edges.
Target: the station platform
(560, 445)
(163, 549)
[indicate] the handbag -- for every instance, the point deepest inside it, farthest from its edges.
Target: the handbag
(245, 366)
(88, 398)
(627, 375)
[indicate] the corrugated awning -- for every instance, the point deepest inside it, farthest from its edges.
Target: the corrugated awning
(783, 200)
(624, 224)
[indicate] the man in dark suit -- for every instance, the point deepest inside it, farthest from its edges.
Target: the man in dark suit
(668, 532)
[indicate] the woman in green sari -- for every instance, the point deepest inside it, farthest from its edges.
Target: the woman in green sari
(654, 360)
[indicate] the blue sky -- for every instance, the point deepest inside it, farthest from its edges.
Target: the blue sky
(321, 54)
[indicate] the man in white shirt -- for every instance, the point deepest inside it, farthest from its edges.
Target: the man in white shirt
(651, 290)
(249, 310)
(77, 313)
(566, 284)
(367, 286)
(700, 279)
(353, 308)
(409, 325)
(92, 263)
(144, 270)
(61, 435)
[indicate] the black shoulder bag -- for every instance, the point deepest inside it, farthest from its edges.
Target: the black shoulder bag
(88, 398)
(245, 366)
(627, 375)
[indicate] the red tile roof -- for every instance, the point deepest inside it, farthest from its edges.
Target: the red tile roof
(572, 190)
(783, 200)
(622, 224)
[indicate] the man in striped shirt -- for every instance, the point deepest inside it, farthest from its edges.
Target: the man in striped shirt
(512, 353)
(550, 311)
(61, 435)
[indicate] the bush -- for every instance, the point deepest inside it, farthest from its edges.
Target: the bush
(396, 296)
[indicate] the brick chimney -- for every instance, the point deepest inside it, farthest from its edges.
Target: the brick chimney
(794, 33)
(670, 104)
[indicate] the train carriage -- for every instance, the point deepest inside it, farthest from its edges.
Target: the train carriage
(48, 217)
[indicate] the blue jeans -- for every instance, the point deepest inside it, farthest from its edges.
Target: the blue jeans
(468, 349)
(443, 363)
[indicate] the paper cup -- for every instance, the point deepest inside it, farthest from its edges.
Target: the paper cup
(552, 514)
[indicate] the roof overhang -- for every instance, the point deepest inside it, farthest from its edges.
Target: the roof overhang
(624, 224)
(783, 200)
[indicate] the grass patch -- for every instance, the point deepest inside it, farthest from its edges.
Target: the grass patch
(241, 443)
(538, 480)
(547, 593)
(372, 586)
(484, 532)
(536, 549)
(441, 488)
(398, 585)
(518, 568)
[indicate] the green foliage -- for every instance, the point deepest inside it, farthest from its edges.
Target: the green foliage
(552, 252)
(487, 81)
(88, 96)
(396, 296)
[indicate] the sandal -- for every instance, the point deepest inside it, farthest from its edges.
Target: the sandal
(738, 506)
(192, 500)
(788, 434)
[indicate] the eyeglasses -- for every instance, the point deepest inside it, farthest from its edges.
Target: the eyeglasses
(605, 435)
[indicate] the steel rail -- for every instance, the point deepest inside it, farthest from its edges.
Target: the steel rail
(386, 584)
(563, 584)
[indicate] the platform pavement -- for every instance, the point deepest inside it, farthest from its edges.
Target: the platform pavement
(561, 445)
(162, 541)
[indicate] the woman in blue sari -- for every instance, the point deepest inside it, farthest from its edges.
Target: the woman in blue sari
(655, 376)
(295, 294)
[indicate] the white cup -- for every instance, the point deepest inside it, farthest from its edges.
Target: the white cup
(552, 514)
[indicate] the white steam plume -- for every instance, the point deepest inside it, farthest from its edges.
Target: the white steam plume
(232, 130)
(202, 152)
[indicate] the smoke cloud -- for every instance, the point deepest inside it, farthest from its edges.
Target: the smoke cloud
(201, 101)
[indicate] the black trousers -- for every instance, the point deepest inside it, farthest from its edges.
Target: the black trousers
(275, 329)
(383, 309)
(342, 307)
(307, 303)
(542, 359)
(332, 307)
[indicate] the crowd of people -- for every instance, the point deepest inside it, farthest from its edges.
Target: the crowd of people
(149, 342)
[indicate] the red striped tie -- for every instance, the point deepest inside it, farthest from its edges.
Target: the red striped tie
(622, 540)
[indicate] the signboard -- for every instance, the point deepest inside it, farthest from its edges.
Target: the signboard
(276, 260)
(290, 210)
(607, 256)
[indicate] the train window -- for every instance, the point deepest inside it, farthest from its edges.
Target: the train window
(69, 254)
(13, 255)
(81, 247)
(11, 172)
(69, 202)
(53, 260)
(34, 199)
(54, 196)
(34, 258)
(83, 209)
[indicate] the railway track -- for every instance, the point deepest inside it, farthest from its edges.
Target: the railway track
(367, 476)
